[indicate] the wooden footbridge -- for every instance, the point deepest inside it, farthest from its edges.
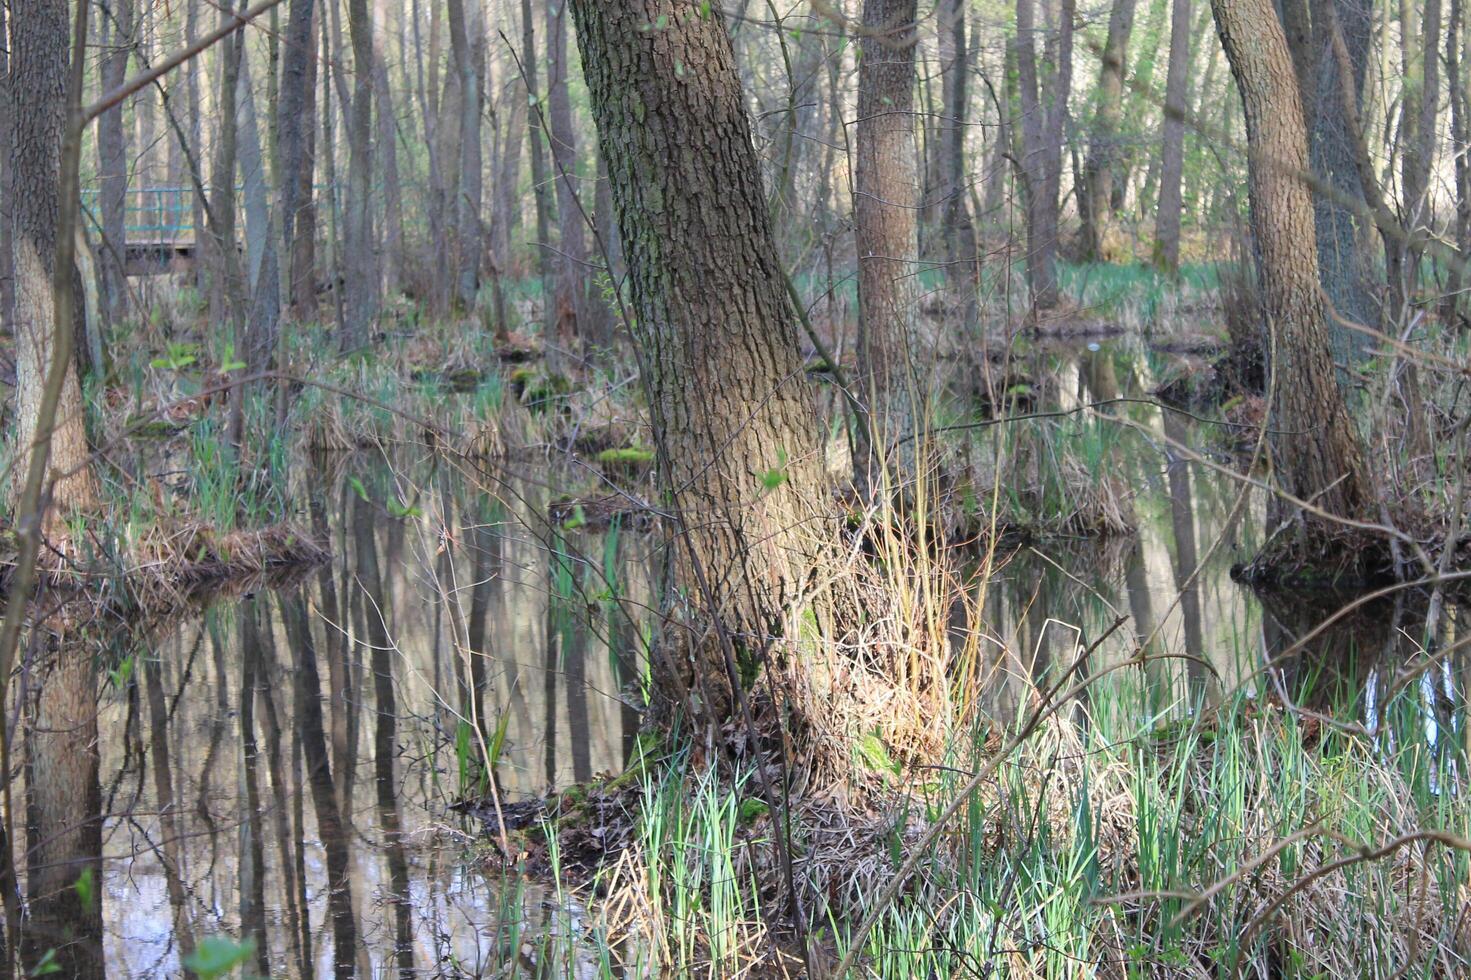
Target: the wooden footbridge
(159, 228)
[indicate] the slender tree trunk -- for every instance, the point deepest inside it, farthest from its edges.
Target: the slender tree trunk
(573, 311)
(886, 199)
(541, 186)
(1043, 111)
(393, 220)
(225, 288)
(1331, 156)
(7, 255)
(1456, 40)
(961, 256)
(1172, 153)
(112, 164)
(360, 270)
(1315, 448)
(296, 139)
(469, 56)
(1097, 192)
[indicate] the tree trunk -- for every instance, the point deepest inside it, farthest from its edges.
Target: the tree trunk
(361, 286)
(1421, 105)
(1456, 39)
(732, 410)
(112, 164)
(1172, 153)
(1041, 126)
(961, 257)
(469, 61)
(573, 310)
(1331, 155)
(1315, 448)
(540, 182)
(1097, 192)
(224, 286)
(296, 140)
(393, 221)
(885, 202)
(38, 80)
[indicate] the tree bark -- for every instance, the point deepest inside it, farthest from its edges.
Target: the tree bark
(469, 61)
(540, 182)
(38, 80)
(730, 404)
(885, 204)
(957, 226)
(1043, 111)
(1172, 152)
(112, 163)
(574, 310)
(1315, 447)
(1096, 203)
(1420, 104)
(393, 220)
(296, 140)
(361, 286)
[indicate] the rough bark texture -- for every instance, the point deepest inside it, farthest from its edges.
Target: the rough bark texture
(1460, 99)
(38, 70)
(1096, 201)
(1315, 448)
(1172, 152)
(713, 322)
(886, 198)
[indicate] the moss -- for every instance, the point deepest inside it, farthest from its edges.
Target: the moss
(149, 427)
(627, 457)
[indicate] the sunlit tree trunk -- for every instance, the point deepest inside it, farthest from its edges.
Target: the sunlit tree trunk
(1172, 152)
(728, 396)
(1315, 447)
(885, 203)
(1097, 193)
(38, 70)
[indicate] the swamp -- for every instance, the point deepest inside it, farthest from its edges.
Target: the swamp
(754, 488)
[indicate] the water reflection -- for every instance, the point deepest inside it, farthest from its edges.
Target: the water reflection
(457, 644)
(209, 773)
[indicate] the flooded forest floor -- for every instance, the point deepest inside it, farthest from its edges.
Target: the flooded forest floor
(323, 767)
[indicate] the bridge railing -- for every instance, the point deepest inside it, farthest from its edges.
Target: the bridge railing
(151, 214)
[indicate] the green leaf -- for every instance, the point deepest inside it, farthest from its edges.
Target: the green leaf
(86, 888)
(775, 477)
(46, 965)
(216, 956)
(357, 487)
(399, 509)
(874, 755)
